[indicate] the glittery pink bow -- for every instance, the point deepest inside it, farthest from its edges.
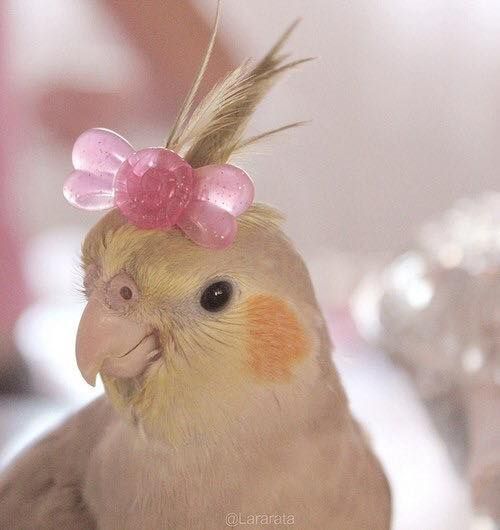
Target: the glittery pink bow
(156, 188)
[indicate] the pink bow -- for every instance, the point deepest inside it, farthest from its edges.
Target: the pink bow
(156, 188)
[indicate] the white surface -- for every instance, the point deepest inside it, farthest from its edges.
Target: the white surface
(23, 420)
(46, 331)
(427, 493)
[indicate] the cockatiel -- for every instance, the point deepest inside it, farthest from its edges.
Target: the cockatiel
(222, 405)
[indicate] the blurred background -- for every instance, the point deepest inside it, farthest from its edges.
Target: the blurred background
(404, 104)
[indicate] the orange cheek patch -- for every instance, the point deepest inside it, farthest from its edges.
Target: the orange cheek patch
(276, 339)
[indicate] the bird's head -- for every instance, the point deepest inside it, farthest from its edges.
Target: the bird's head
(189, 339)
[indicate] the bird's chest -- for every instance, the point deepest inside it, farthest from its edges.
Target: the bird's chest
(153, 500)
(131, 490)
(132, 487)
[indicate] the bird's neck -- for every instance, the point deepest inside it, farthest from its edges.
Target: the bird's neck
(269, 418)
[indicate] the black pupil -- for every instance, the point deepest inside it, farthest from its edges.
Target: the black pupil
(126, 293)
(216, 296)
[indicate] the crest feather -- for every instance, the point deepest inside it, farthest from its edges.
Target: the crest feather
(214, 131)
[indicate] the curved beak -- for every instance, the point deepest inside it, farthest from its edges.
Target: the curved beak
(112, 344)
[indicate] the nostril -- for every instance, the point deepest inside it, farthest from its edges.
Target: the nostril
(121, 292)
(126, 292)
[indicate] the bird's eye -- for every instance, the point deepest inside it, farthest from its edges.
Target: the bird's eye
(216, 296)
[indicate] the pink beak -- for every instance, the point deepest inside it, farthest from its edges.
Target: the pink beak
(113, 344)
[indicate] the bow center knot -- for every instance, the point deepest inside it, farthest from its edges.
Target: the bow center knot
(153, 187)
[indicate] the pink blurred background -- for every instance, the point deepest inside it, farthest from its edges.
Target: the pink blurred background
(404, 100)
